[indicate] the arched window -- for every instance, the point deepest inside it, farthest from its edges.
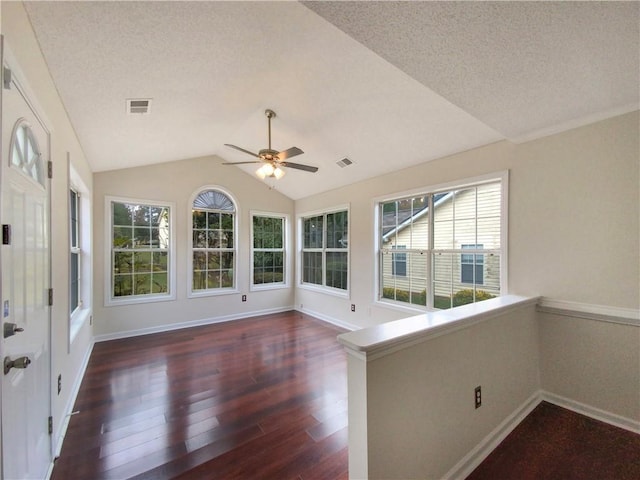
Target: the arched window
(25, 153)
(213, 226)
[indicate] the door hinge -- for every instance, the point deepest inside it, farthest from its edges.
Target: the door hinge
(50, 169)
(6, 78)
(6, 234)
(50, 296)
(50, 424)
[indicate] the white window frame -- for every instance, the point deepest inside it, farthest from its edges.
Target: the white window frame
(236, 215)
(80, 315)
(501, 176)
(299, 250)
(109, 299)
(286, 241)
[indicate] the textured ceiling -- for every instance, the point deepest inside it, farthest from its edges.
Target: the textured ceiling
(386, 84)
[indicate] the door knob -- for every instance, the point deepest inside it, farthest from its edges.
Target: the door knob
(10, 329)
(22, 362)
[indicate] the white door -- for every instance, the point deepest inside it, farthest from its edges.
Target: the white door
(26, 401)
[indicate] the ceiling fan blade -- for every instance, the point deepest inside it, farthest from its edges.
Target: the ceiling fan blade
(299, 166)
(242, 150)
(288, 153)
(241, 163)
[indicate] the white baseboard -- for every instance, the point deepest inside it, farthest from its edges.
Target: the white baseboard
(470, 461)
(593, 412)
(63, 423)
(194, 323)
(328, 319)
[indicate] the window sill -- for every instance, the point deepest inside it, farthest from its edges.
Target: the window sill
(141, 299)
(213, 293)
(78, 319)
(401, 307)
(268, 286)
(325, 290)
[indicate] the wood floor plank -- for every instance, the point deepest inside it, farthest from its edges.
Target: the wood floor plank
(232, 400)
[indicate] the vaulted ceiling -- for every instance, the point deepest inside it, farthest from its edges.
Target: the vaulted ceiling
(385, 84)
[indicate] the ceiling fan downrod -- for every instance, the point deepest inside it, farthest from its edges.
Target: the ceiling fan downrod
(270, 114)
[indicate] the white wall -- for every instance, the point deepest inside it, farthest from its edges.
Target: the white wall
(67, 360)
(177, 182)
(574, 211)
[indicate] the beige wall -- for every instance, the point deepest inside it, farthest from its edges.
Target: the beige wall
(67, 359)
(591, 362)
(177, 182)
(573, 218)
(419, 401)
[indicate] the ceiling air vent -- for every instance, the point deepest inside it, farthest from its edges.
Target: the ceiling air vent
(138, 106)
(345, 162)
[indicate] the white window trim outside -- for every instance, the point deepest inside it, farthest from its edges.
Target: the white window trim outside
(286, 248)
(501, 176)
(81, 314)
(236, 216)
(322, 288)
(109, 300)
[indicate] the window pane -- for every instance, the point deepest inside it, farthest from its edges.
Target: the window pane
(142, 262)
(122, 285)
(443, 222)
(213, 260)
(74, 287)
(122, 214)
(142, 237)
(199, 219)
(312, 267)
(199, 260)
(489, 208)
(122, 262)
(213, 220)
(200, 239)
(337, 230)
(159, 283)
(313, 232)
(336, 272)
(158, 216)
(73, 217)
(226, 221)
(160, 261)
(142, 284)
(443, 280)
(199, 280)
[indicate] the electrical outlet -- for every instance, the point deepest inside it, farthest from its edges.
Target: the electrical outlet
(478, 396)
(59, 383)
(353, 307)
(244, 298)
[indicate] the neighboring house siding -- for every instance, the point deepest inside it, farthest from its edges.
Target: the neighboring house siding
(454, 228)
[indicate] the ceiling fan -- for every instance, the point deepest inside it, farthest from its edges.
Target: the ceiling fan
(272, 160)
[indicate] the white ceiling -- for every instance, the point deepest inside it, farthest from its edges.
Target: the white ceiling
(386, 84)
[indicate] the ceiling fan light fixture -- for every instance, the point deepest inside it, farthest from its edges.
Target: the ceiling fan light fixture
(278, 173)
(269, 170)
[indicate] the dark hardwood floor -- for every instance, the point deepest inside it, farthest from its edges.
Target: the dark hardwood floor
(263, 398)
(553, 443)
